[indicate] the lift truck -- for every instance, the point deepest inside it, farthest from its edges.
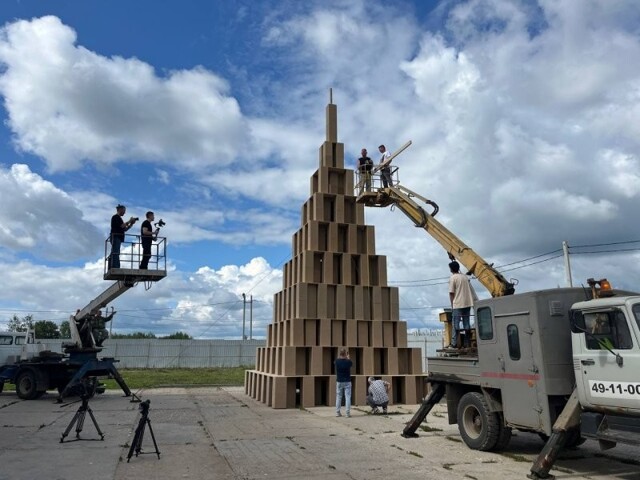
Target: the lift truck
(34, 371)
(561, 362)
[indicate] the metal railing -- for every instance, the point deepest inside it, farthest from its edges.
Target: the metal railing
(131, 253)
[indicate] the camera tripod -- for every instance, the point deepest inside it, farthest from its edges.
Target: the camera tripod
(78, 419)
(136, 445)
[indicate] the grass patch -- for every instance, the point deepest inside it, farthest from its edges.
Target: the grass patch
(453, 439)
(515, 457)
(173, 377)
(415, 454)
(426, 428)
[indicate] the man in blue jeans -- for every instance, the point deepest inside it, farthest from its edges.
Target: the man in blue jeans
(343, 381)
(462, 296)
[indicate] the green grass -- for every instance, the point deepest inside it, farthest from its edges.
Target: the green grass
(169, 377)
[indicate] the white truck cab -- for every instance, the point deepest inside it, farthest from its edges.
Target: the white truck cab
(15, 346)
(606, 350)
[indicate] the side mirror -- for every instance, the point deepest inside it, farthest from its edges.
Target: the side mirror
(577, 322)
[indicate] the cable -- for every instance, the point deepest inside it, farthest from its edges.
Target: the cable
(608, 251)
(604, 244)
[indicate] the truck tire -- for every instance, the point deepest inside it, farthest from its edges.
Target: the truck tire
(26, 386)
(505, 436)
(479, 427)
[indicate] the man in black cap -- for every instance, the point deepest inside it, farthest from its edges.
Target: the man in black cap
(118, 227)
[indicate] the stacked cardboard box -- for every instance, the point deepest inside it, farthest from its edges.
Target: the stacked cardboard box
(334, 294)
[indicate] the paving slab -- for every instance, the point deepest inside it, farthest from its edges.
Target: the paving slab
(221, 433)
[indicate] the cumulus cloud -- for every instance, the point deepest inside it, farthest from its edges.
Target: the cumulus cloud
(67, 104)
(39, 218)
(207, 303)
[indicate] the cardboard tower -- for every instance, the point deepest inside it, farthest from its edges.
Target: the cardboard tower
(334, 294)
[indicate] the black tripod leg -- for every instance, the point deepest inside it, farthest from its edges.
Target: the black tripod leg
(82, 412)
(137, 441)
(70, 426)
(153, 437)
(95, 423)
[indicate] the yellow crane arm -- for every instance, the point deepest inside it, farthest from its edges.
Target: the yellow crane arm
(403, 198)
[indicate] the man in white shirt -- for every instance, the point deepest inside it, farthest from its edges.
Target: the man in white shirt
(462, 296)
(378, 395)
(385, 172)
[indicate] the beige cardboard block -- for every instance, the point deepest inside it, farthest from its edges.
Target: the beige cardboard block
(349, 293)
(308, 394)
(288, 361)
(382, 270)
(401, 333)
(394, 298)
(317, 361)
(368, 361)
(296, 328)
(388, 334)
(363, 334)
(279, 397)
(376, 303)
(360, 216)
(351, 333)
(392, 361)
(341, 301)
(358, 302)
(322, 304)
(337, 332)
(339, 209)
(325, 332)
(310, 332)
(404, 363)
(359, 390)
(376, 334)
(331, 120)
(415, 358)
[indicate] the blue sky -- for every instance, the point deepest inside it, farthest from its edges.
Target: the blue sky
(523, 117)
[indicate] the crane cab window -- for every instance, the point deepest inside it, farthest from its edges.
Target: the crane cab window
(485, 325)
(608, 329)
(6, 340)
(513, 340)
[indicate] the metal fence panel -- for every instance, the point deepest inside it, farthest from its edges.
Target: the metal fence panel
(160, 353)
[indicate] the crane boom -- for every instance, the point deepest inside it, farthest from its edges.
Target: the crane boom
(403, 198)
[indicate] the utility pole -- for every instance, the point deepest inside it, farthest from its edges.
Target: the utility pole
(251, 317)
(567, 263)
(244, 314)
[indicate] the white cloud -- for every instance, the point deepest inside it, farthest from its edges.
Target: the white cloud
(67, 104)
(39, 218)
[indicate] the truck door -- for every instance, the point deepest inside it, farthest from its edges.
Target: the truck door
(519, 372)
(602, 379)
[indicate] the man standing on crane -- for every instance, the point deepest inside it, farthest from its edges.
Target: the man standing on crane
(462, 295)
(385, 172)
(118, 227)
(365, 165)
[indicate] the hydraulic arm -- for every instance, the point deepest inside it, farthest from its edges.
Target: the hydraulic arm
(404, 199)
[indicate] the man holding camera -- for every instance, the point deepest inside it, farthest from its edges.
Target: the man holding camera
(147, 236)
(118, 227)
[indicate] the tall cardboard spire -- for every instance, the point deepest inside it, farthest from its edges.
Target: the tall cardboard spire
(334, 294)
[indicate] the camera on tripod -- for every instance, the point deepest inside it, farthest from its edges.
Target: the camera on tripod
(143, 408)
(160, 223)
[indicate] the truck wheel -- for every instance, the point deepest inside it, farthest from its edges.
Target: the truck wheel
(26, 387)
(479, 428)
(505, 436)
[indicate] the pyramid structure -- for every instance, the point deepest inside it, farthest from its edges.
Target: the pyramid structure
(334, 294)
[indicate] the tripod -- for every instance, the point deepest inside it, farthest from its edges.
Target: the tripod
(136, 445)
(79, 417)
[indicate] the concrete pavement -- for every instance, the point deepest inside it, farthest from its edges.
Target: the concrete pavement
(220, 433)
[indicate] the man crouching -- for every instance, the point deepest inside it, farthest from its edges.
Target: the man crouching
(378, 395)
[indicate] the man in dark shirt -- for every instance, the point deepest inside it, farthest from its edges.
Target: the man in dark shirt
(343, 381)
(147, 238)
(365, 165)
(118, 227)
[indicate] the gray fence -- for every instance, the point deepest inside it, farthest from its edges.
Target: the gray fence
(156, 353)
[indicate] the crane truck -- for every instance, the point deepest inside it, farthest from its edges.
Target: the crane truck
(34, 370)
(560, 362)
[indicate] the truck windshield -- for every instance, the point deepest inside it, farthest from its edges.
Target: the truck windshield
(636, 313)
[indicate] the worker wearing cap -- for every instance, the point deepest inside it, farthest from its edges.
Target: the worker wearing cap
(462, 296)
(118, 227)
